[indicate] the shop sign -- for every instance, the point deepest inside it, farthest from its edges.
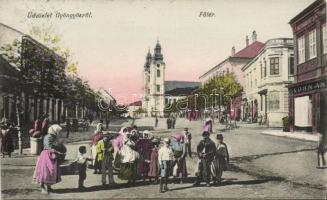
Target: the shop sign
(308, 87)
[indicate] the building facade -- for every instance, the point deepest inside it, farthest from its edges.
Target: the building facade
(266, 79)
(153, 101)
(308, 94)
(234, 64)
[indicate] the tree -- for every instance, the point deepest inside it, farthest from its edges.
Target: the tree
(209, 95)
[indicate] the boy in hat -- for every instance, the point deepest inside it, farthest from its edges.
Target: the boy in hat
(165, 158)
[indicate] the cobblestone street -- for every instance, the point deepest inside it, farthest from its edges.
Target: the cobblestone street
(262, 166)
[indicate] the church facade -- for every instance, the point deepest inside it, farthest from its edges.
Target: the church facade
(153, 101)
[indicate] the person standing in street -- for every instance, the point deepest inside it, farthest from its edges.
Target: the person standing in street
(67, 127)
(180, 152)
(165, 158)
(156, 122)
(81, 165)
(188, 141)
(47, 170)
(154, 164)
(7, 143)
(98, 135)
(220, 163)
(105, 151)
(206, 150)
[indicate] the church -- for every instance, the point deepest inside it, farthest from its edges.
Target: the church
(157, 91)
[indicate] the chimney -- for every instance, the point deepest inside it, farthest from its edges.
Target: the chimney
(247, 41)
(254, 36)
(233, 51)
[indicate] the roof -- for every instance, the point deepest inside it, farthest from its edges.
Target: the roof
(136, 103)
(306, 10)
(170, 85)
(250, 51)
(246, 54)
(181, 91)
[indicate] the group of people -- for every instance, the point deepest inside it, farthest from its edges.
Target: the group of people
(135, 156)
(171, 122)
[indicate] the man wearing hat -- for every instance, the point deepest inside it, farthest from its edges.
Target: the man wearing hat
(165, 158)
(206, 150)
(105, 152)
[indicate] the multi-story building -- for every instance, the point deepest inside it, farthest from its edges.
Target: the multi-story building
(234, 64)
(308, 94)
(266, 78)
(235, 61)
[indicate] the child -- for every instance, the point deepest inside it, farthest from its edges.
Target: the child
(221, 160)
(165, 158)
(153, 163)
(81, 164)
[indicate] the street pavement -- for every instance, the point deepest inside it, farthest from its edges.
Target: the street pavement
(262, 166)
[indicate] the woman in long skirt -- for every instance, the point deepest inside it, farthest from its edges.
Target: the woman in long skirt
(154, 164)
(98, 135)
(47, 171)
(220, 163)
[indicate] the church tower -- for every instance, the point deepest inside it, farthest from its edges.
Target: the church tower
(154, 83)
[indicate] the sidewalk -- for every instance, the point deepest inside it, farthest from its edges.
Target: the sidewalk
(296, 135)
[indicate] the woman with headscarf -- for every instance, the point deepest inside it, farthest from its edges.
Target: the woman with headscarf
(144, 150)
(180, 152)
(117, 144)
(128, 160)
(47, 171)
(97, 136)
(221, 160)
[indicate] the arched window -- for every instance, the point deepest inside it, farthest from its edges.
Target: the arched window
(158, 72)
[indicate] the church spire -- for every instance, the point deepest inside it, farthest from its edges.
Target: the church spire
(157, 52)
(148, 60)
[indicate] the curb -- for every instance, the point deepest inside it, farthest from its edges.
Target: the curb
(293, 135)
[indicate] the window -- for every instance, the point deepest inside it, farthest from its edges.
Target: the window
(301, 50)
(274, 66)
(273, 101)
(261, 70)
(158, 65)
(158, 72)
(324, 38)
(158, 88)
(312, 44)
(251, 78)
(291, 66)
(265, 68)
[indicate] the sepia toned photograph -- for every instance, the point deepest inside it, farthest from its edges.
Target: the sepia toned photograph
(170, 99)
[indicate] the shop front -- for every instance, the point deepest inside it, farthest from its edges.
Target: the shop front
(307, 102)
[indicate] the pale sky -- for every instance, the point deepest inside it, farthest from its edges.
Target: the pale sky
(111, 46)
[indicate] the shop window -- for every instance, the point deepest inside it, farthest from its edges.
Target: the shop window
(324, 38)
(301, 49)
(273, 102)
(274, 66)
